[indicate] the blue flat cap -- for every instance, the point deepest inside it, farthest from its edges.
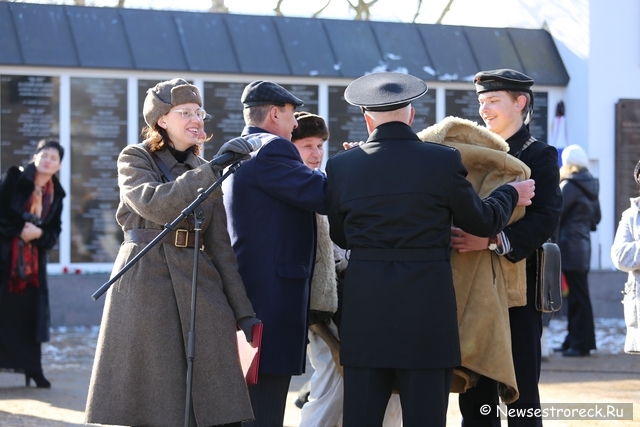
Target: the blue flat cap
(384, 91)
(504, 79)
(262, 92)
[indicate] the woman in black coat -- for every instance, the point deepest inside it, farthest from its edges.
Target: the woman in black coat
(29, 226)
(580, 215)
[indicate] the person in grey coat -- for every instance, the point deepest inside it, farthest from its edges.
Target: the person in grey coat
(580, 215)
(140, 366)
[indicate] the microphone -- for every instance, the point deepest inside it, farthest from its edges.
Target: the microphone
(229, 157)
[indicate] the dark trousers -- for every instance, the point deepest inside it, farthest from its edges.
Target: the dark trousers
(526, 330)
(485, 392)
(269, 399)
(424, 395)
(581, 333)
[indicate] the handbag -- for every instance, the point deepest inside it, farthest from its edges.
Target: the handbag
(548, 278)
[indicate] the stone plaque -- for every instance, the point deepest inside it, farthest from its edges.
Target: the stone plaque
(539, 121)
(98, 134)
(346, 123)
(29, 111)
(425, 107)
(627, 153)
(143, 86)
(308, 94)
(463, 104)
(222, 102)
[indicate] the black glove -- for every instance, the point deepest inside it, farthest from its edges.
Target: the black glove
(240, 145)
(246, 324)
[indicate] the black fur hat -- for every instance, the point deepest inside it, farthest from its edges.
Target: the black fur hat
(309, 125)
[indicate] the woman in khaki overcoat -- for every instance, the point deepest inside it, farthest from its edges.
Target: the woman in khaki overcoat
(140, 366)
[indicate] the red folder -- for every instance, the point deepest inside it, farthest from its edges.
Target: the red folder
(249, 355)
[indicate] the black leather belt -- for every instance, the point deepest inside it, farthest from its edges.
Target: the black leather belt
(179, 238)
(383, 254)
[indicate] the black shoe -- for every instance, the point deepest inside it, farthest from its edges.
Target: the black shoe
(303, 397)
(561, 349)
(572, 352)
(41, 381)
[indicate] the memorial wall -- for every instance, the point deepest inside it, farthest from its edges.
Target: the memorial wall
(29, 112)
(464, 104)
(346, 123)
(222, 102)
(98, 134)
(98, 113)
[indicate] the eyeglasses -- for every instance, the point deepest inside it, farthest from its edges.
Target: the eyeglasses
(188, 113)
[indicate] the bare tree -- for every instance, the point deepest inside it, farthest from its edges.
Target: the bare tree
(418, 11)
(362, 9)
(277, 8)
(444, 12)
(217, 6)
(315, 15)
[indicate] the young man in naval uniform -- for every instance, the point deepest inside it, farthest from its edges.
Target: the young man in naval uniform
(506, 105)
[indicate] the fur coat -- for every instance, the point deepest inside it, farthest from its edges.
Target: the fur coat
(324, 293)
(486, 284)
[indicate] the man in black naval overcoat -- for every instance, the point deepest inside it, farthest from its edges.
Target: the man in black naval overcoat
(506, 105)
(392, 201)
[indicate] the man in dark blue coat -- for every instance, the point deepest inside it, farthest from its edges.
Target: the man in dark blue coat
(391, 201)
(270, 204)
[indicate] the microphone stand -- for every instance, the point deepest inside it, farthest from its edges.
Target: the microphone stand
(199, 216)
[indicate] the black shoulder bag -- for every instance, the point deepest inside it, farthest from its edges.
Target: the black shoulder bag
(548, 278)
(548, 273)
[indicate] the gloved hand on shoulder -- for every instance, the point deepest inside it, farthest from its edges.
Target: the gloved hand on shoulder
(242, 147)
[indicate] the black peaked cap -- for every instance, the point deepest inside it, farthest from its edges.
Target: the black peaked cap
(385, 91)
(504, 79)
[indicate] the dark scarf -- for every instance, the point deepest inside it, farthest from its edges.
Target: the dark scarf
(24, 256)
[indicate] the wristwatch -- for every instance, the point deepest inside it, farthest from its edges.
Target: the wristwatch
(493, 243)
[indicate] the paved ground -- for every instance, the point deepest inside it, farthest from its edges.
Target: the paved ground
(607, 376)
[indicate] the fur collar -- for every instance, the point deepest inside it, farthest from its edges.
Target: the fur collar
(455, 129)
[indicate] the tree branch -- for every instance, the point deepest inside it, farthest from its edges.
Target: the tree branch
(277, 8)
(444, 12)
(315, 15)
(418, 12)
